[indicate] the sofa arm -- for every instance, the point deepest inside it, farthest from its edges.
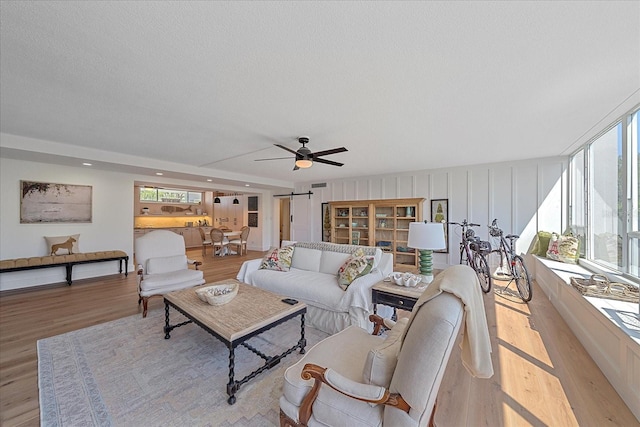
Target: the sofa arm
(248, 268)
(364, 392)
(358, 294)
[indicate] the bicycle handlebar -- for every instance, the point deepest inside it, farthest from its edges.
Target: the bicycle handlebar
(464, 224)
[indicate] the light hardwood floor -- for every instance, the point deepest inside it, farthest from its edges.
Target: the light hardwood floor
(543, 376)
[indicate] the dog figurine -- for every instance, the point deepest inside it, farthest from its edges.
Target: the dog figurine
(68, 245)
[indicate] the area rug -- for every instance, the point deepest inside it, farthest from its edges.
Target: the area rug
(124, 373)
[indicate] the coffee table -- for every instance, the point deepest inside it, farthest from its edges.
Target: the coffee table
(250, 313)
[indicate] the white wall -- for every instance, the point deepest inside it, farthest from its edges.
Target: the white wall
(525, 196)
(110, 229)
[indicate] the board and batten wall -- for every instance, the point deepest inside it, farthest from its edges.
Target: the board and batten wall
(525, 196)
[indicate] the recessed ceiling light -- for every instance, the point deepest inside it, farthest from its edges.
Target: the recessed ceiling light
(159, 173)
(209, 180)
(247, 185)
(86, 164)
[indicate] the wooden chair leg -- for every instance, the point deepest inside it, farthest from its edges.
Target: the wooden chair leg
(145, 301)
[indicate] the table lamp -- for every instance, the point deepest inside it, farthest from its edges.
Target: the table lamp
(426, 236)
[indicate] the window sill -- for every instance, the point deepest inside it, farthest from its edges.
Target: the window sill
(624, 315)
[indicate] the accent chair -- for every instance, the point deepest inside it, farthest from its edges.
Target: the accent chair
(163, 266)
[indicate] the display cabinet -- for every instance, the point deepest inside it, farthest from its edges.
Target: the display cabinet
(383, 223)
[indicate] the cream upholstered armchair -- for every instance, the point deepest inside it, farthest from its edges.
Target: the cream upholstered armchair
(353, 378)
(163, 266)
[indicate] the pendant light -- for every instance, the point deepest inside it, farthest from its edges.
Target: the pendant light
(217, 199)
(236, 201)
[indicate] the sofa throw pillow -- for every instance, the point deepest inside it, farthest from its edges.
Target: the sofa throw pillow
(166, 264)
(541, 244)
(382, 359)
(356, 266)
(278, 259)
(564, 249)
(62, 245)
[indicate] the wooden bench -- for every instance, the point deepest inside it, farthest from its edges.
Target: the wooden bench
(67, 261)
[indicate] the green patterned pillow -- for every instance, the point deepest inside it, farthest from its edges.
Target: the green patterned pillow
(356, 266)
(279, 259)
(541, 244)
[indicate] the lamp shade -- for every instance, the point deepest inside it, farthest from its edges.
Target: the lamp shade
(236, 201)
(216, 200)
(426, 235)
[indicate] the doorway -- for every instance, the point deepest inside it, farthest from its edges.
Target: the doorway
(285, 219)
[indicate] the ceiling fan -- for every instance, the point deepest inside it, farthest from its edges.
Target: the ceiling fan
(304, 156)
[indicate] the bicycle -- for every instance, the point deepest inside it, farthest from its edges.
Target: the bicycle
(511, 266)
(472, 253)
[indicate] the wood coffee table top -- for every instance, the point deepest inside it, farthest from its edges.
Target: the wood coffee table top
(250, 310)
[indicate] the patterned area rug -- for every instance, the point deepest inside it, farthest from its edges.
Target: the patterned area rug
(124, 373)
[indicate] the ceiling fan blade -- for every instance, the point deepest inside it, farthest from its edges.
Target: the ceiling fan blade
(286, 148)
(328, 162)
(273, 158)
(327, 152)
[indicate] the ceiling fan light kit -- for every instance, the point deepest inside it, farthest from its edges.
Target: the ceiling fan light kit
(304, 158)
(304, 163)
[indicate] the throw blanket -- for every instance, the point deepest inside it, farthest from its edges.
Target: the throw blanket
(462, 281)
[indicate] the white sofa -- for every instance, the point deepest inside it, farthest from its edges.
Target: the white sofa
(313, 280)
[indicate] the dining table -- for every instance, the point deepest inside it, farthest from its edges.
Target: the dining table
(228, 235)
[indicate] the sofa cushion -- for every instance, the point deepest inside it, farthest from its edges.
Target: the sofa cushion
(330, 262)
(382, 359)
(345, 249)
(171, 281)
(317, 289)
(306, 259)
(278, 259)
(356, 266)
(166, 264)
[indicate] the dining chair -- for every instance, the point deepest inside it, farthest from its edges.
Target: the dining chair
(205, 242)
(241, 241)
(218, 241)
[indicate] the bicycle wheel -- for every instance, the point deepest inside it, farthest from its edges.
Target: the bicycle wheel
(523, 282)
(482, 269)
(498, 265)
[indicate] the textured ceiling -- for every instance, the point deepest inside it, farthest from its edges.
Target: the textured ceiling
(211, 86)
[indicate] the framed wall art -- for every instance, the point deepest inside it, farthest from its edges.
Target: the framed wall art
(440, 213)
(252, 219)
(45, 202)
(326, 222)
(252, 203)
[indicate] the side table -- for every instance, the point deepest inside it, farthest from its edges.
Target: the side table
(395, 296)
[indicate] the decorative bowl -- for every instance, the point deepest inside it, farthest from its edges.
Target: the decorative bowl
(218, 294)
(405, 279)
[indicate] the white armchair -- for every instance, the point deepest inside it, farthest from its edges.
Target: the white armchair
(163, 266)
(353, 378)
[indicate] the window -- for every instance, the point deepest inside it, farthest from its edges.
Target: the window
(167, 195)
(604, 197)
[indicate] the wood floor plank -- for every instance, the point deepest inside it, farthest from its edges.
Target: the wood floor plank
(543, 376)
